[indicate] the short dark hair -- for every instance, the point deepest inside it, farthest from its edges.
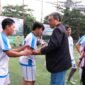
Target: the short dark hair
(6, 22)
(37, 25)
(56, 16)
(67, 26)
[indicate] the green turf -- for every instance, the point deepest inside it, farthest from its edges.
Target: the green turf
(43, 77)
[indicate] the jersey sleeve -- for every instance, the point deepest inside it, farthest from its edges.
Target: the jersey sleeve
(5, 46)
(30, 41)
(81, 41)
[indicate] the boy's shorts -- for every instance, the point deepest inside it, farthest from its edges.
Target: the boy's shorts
(4, 80)
(28, 72)
(74, 64)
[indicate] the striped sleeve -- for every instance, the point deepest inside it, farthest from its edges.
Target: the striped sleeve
(82, 41)
(5, 46)
(30, 40)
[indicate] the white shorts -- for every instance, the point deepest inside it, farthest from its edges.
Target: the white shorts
(29, 72)
(4, 80)
(73, 64)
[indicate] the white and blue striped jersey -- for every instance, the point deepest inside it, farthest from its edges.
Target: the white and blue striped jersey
(4, 46)
(30, 40)
(81, 41)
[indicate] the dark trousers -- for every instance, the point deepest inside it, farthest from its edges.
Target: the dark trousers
(83, 76)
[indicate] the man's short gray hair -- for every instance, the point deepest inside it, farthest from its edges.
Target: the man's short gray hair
(56, 16)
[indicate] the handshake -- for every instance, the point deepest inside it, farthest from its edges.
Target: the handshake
(26, 51)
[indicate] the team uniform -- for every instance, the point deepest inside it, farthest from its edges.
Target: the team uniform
(27, 63)
(70, 41)
(4, 59)
(81, 42)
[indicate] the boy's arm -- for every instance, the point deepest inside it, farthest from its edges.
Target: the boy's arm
(26, 45)
(80, 52)
(21, 48)
(78, 48)
(12, 53)
(81, 57)
(5, 46)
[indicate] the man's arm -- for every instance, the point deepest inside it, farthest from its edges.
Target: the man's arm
(54, 43)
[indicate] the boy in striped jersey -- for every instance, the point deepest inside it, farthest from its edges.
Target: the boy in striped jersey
(28, 64)
(81, 63)
(8, 26)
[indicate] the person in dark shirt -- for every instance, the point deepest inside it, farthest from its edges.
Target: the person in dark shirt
(58, 59)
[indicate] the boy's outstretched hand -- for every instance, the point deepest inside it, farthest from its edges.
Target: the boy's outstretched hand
(26, 52)
(25, 47)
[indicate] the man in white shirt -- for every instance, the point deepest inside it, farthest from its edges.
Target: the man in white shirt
(28, 63)
(70, 41)
(8, 27)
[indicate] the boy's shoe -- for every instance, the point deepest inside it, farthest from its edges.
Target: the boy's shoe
(72, 83)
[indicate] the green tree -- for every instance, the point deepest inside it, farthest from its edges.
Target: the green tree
(46, 20)
(20, 12)
(76, 20)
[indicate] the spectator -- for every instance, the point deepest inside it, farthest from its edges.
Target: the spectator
(74, 67)
(81, 49)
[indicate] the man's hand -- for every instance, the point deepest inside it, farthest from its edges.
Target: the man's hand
(36, 52)
(44, 45)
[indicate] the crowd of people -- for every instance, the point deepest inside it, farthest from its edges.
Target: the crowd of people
(59, 52)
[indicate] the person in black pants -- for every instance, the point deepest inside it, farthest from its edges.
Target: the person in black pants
(82, 64)
(83, 76)
(81, 49)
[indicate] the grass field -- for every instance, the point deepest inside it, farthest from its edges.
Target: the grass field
(43, 77)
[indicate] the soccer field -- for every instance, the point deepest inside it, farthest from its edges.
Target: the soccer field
(43, 77)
